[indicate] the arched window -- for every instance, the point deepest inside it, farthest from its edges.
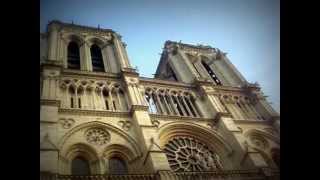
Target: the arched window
(80, 166)
(96, 57)
(117, 166)
(73, 56)
(211, 73)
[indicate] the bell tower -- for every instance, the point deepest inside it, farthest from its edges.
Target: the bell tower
(188, 63)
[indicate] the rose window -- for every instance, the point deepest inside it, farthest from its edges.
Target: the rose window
(188, 154)
(97, 136)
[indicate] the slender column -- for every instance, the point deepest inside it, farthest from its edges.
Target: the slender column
(119, 52)
(52, 42)
(193, 107)
(127, 62)
(257, 114)
(45, 88)
(240, 111)
(160, 104)
(251, 113)
(167, 104)
(154, 98)
(137, 94)
(94, 105)
(233, 109)
(186, 105)
(66, 97)
(181, 107)
(218, 103)
(119, 100)
(106, 59)
(173, 104)
(75, 99)
(110, 101)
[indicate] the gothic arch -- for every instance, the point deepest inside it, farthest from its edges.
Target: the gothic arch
(262, 133)
(261, 144)
(211, 138)
(132, 143)
(73, 37)
(96, 40)
(84, 151)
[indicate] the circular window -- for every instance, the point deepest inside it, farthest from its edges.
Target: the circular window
(188, 154)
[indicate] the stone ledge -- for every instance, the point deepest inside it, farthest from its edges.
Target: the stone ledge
(90, 112)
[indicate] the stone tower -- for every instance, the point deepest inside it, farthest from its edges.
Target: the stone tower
(198, 118)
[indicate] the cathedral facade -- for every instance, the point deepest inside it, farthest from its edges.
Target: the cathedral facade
(198, 118)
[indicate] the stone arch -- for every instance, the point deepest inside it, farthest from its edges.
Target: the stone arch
(132, 143)
(96, 40)
(75, 38)
(262, 133)
(84, 151)
(170, 130)
(211, 139)
(266, 149)
(119, 151)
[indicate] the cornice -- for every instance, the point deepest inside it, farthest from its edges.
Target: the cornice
(82, 28)
(104, 113)
(86, 74)
(150, 81)
(51, 64)
(253, 122)
(138, 108)
(129, 72)
(184, 118)
(50, 102)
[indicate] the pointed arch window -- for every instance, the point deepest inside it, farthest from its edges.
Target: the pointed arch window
(211, 73)
(80, 166)
(117, 166)
(96, 58)
(73, 55)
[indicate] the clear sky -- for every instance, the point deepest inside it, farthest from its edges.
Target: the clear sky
(248, 30)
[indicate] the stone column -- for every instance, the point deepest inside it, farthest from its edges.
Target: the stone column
(154, 158)
(173, 104)
(52, 42)
(180, 105)
(85, 57)
(186, 105)
(194, 108)
(105, 58)
(120, 52)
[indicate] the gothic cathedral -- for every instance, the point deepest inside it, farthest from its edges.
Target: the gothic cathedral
(198, 118)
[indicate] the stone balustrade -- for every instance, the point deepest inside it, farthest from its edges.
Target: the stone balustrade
(168, 175)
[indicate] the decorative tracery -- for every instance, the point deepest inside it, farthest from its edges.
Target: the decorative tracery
(189, 154)
(97, 136)
(171, 102)
(90, 94)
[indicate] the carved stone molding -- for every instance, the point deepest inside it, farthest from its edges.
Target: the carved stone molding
(155, 122)
(97, 136)
(66, 123)
(188, 154)
(102, 113)
(125, 124)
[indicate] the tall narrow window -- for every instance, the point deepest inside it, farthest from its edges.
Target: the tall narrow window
(211, 73)
(71, 102)
(96, 57)
(73, 56)
(80, 166)
(117, 166)
(79, 103)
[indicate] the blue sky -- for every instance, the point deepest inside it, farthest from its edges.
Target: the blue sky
(248, 30)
